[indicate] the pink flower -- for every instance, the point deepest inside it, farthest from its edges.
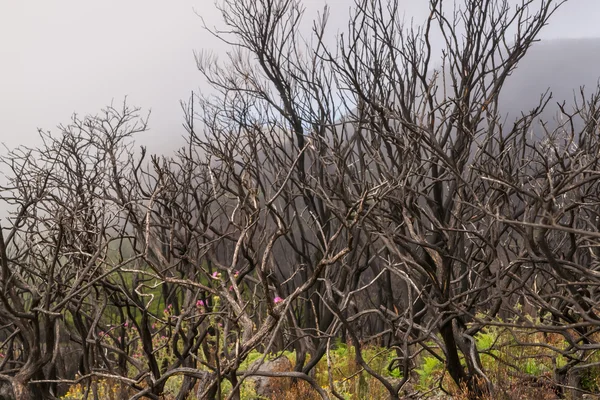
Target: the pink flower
(126, 324)
(277, 299)
(215, 275)
(200, 303)
(231, 288)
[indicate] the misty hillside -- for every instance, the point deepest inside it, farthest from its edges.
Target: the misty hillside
(560, 65)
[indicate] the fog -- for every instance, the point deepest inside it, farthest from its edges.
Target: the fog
(560, 65)
(66, 56)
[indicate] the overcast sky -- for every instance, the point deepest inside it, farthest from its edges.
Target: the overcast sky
(65, 56)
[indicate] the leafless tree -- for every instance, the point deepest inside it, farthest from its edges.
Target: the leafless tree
(382, 137)
(372, 192)
(58, 247)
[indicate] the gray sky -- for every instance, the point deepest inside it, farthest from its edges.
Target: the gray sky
(65, 56)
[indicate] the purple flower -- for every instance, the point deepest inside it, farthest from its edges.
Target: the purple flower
(277, 299)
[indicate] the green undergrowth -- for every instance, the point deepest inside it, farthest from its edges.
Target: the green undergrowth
(519, 364)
